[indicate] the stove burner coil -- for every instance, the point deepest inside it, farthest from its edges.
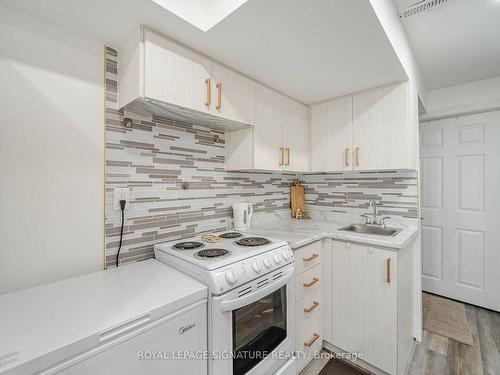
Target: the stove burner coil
(188, 245)
(231, 235)
(212, 253)
(253, 241)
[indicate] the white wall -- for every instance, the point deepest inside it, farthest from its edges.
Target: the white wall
(465, 98)
(51, 153)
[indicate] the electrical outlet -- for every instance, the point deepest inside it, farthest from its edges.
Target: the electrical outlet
(120, 194)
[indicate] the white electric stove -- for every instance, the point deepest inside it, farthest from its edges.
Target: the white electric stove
(251, 299)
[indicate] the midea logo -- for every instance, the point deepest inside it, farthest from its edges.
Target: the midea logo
(185, 329)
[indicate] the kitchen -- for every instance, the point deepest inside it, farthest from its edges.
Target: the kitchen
(206, 204)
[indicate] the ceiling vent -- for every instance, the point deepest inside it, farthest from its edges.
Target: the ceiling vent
(421, 7)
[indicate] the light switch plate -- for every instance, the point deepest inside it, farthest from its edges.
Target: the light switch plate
(118, 195)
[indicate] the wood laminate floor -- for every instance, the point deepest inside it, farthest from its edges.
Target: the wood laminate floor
(437, 355)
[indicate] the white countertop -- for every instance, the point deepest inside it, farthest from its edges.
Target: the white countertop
(38, 324)
(302, 232)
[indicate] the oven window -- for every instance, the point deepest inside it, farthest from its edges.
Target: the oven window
(258, 329)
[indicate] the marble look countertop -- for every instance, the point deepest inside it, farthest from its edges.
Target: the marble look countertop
(298, 233)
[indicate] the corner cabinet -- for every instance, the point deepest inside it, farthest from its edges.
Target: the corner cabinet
(371, 130)
(278, 139)
(371, 305)
(153, 66)
(331, 135)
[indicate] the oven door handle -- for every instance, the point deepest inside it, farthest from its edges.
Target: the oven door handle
(234, 304)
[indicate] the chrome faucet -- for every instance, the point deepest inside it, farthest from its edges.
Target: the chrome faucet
(372, 219)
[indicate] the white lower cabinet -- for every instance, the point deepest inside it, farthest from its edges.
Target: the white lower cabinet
(309, 303)
(355, 298)
(371, 304)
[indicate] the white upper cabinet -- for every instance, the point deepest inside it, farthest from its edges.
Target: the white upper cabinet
(380, 128)
(331, 135)
(294, 120)
(233, 95)
(267, 132)
(175, 74)
(175, 78)
(367, 131)
(278, 140)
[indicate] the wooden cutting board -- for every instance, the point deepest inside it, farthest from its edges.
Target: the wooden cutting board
(297, 198)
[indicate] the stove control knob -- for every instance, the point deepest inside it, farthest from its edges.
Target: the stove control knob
(277, 258)
(267, 262)
(231, 277)
(286, 255)
(256, 267)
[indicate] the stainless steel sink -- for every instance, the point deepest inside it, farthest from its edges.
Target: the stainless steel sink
(371, 229)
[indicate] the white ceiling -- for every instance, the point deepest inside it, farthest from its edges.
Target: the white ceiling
(309, 50)
(457, 42)
(203, 14)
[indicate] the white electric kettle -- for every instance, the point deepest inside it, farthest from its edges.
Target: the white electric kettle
(242, 213)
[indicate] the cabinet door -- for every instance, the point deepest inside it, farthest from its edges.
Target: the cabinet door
(175, 74)
(294, 120)
(379, 128)
(331, 135)
(364, 303)
(267, 130)
(233, 95)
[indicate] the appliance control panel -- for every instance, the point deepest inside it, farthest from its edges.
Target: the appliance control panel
(239, 273)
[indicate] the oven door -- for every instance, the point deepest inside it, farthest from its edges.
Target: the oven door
(252, 328)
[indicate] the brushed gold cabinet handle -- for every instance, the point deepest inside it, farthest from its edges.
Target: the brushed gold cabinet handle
(388, 271)
(346, 156)
(307, 259)
(312, 307)
(287, 156)
(357, 156)
(282, 156)
(311, 340)
(311, 283)
(209, 91)
(219, 96)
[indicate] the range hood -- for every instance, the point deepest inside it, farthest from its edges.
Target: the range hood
(151, 107)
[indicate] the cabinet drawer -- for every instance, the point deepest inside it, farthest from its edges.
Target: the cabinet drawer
(307, 282)
(309, 333)
(308, 307)
(307, 256)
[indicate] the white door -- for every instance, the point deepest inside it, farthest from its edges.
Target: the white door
(331, 135)
(364, 303)
(267, 130)
(233, 95)
(294, 120)
(175, 74)
(460, 177)
(380, 118)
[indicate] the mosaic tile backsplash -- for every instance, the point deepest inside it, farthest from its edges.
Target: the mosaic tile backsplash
(176, 180)
(178, 187)
(395, 192)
